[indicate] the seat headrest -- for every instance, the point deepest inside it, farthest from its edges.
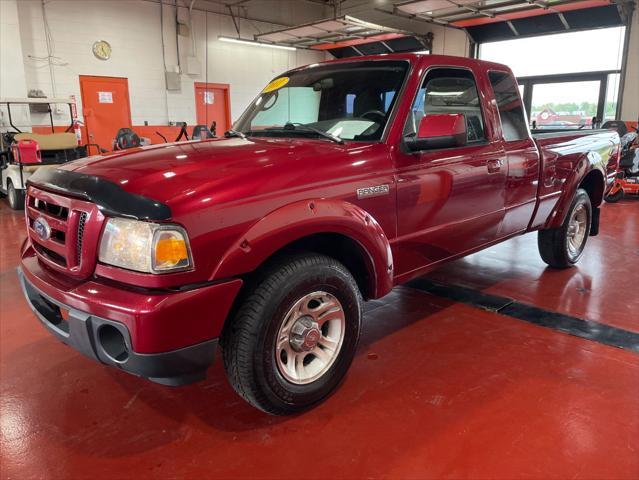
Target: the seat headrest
(200, 132)
(616, 125)
(366, 101)
(127, 138)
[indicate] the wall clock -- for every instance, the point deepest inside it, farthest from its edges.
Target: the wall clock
(102, 50)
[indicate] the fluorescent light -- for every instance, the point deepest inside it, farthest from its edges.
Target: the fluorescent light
(253, 43)
(445, 94)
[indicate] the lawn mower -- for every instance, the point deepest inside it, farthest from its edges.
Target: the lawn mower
(627, 181)
(200, 132)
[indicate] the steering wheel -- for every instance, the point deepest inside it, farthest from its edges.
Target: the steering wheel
(379, 113)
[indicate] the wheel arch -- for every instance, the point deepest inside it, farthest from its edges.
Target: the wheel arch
(592, 180)
(13, 174)
(594, 183)
(337, 229)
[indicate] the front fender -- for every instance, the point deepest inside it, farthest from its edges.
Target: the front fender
(305, 218)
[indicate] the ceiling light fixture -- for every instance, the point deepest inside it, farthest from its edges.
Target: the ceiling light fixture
(445, 94)
(253, 43)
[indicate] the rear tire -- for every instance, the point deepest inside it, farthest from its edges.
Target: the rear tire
(562, 247)
(615, 197)
(16, 197)
(276, 349)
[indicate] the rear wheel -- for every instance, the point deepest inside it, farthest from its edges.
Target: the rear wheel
(295, 334)
(562, 247)
(16, 197)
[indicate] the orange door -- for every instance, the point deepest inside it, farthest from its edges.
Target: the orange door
(212, 105)
(106, 108)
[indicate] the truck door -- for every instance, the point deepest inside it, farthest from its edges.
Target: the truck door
(521, 153)
(449, 200)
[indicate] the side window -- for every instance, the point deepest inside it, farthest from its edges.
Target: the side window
(350, 101)
(511, 111)
(449, 90)
(388, 99)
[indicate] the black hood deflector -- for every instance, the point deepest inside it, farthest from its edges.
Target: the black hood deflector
(110, 198)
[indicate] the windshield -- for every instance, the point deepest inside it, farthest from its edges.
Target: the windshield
(348, 101)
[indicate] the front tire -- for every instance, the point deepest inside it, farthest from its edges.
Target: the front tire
(16, 197)
(294, 335)
(562, 247)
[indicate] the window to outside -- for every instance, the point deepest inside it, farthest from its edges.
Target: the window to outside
(351, 101)
(612, 94)
(571, 102)
(571, 52)
(564, 105)
(449, 90)
(511, 111)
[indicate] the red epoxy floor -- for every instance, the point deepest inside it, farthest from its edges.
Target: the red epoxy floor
(604, 287)
(438, 389)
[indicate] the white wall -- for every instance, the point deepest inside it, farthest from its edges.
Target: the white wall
(450, 41)
(12, 78)
(630, 100)
(132, 27)
(246, 68)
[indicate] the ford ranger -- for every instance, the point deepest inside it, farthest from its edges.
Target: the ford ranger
(339, 181)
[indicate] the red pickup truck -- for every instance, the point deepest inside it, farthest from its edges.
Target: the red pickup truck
(340, 180)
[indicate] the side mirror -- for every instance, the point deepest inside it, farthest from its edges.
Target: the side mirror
(439, 130)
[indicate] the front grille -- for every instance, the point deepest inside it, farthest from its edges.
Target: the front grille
(59, 259)
(68, 240)
(49, 208)
(81, 223)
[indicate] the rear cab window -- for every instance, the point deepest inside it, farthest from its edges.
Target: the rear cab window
(511, 109)
(449, 90)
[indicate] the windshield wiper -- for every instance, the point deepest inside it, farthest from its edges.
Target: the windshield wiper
(307, 128)
(233, 133)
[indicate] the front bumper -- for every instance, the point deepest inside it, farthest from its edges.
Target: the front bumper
(109, 342)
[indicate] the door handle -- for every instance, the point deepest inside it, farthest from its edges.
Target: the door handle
(494, 166)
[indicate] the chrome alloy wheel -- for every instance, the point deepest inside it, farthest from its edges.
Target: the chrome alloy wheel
(310, 338)
(577, 228)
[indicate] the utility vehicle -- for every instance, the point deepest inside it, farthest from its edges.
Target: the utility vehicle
(54, 148)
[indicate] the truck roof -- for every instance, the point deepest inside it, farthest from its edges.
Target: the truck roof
(416, 57)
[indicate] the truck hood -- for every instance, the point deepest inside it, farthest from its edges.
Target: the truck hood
(226, 169)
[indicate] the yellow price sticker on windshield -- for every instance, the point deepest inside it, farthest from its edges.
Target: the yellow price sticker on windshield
(276, 84)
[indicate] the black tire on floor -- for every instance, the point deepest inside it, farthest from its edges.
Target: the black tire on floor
(16, 197)
(555, 245)
(614, 198)
(249, 342)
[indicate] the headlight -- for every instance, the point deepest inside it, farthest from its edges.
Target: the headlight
(145, 247)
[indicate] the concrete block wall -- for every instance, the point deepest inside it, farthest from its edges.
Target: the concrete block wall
(12, 76)
(132, 27)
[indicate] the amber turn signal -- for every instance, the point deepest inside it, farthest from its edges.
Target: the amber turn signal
(171, 250)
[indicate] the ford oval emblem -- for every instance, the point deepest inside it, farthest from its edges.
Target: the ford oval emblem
(42, 228)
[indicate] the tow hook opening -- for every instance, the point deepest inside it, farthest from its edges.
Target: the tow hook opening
(51, 313)
(113, 344)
